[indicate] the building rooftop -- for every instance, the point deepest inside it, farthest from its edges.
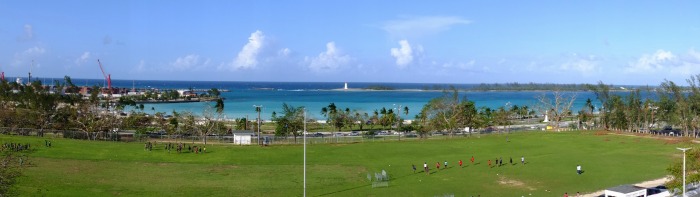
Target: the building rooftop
(626, 189)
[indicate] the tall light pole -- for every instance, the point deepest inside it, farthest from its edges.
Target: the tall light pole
(683, 149)
(398, 122)
(304, 152)
(259, 109)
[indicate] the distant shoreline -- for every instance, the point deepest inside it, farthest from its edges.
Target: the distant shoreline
(173, 101)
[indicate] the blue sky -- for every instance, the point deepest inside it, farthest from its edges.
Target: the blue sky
(618, 42)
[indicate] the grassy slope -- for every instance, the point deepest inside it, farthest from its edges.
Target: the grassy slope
(81, 168)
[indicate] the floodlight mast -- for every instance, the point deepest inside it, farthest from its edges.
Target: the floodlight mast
(304, 151)
(683, 149)
(258, 108)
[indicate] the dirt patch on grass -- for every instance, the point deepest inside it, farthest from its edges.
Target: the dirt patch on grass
(676, 140)
(514, 183)
(601, 133)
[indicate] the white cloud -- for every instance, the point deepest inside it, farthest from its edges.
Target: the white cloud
(652, 63)
(248, 56)
(284, 52)
(403, 55)
(189, 62)
(83, 58)
(582, 65)
(329, 60)
(28, 55)
(421, 26)
(667, 64)
(460, 65)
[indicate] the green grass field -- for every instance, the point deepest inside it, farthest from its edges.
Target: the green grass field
(89, 168)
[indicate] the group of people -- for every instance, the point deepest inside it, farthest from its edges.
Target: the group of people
(499, 162)
(148, 146)
(16, 147)
(179, 147)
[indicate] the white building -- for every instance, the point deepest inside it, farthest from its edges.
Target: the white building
(635, 191)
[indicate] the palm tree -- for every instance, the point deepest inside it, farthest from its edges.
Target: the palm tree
(220, 106)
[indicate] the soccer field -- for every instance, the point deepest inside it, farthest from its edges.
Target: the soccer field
(96, 168)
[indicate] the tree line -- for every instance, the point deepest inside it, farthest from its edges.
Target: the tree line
(57, 107)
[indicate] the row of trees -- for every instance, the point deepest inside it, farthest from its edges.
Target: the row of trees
(36, 106)
(290, 119)
(40, 107)
(668, 105)
(451, 113)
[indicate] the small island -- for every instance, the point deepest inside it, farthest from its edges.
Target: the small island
(379, 87)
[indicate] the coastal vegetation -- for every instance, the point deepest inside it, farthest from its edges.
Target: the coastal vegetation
(379, 87)
(67, 111)
(514, 86)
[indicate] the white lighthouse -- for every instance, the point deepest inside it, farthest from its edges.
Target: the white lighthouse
(346, 86)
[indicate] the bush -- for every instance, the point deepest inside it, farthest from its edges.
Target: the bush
(11, 166)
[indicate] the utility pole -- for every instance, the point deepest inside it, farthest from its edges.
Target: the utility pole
(258, 108)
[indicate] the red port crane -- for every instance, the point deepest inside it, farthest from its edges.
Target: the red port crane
(108, 77)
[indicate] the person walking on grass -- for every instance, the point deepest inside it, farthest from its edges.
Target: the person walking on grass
(472, 159)
(511, 160)
(445, 164)
(425, 168)
(437, 164)
(460, 163)
(414, 168)
(522, 160)
(489, 163)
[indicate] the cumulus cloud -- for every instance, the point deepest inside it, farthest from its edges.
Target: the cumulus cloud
(189, 62)
(663, 61)
(329, 60)
(420, 26)
(83, 58)
(248, 56)
(652, 62)
(403, 55)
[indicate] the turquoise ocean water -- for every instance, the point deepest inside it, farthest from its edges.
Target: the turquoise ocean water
(315, 95)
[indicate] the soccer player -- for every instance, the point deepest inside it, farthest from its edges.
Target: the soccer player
(578, 169)
(425, 168)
